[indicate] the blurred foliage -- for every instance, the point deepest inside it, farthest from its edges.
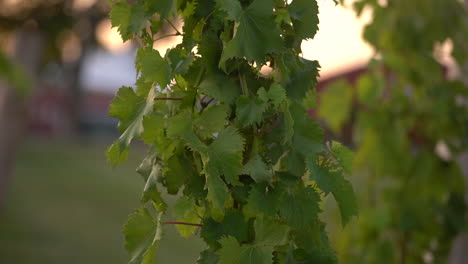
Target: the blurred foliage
(54, 19)
(404, 108)
(14, 75)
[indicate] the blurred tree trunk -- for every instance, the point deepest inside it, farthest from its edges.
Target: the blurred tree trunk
(13, 108)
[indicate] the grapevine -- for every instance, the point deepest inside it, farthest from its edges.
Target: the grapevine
(236, 146)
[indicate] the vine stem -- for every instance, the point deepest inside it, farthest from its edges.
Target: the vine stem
(243, 83)
(174, 27)
(166, 36)
(209, 101)
(266, 130)
(182, 223)
(205, 104)
(197, 83)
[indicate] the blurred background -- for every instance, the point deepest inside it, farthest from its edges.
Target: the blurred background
(60, 201)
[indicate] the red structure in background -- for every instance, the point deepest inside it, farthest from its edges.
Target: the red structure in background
(351, 76)
(48, 113)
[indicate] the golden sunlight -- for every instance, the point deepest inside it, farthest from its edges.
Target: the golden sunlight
(80, 5)
(338, 44)
(110, 38)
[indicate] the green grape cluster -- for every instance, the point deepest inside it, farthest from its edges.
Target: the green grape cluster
(236, 146)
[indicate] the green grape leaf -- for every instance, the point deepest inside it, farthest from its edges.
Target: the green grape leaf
(143, 87)
(258, 170)
(294, 162)
(257, 33)
(124, 106)
(301, 80)
(162, 7)
(332, 180)
(150, 191)
(299, 207)
(335, 104)
(262, 201)
(212, 120)
(178, 169)
(142, 235)
(270, 232)
(154, 68)
(274, 146)
(183, 206)
(232, 7)
(343, 155)
(185, 210)
(193, 142)
(190, 8)
(225, 155)
(179, 124)
(129, 19)
(257, 255)
(210, 52)
(232, 224)
(218, 193)
(180, 127)
(276, 94)
(288, 258)
(195, 185)
(250, 110)
(346, 199)
(220, 88)
(308, 135)
(315, 255)
(179, 60)
(146, 166)
(288, 125)
(314, 246)
(232, 252)
(282, 15)
(153, 128)
(130, 109)
(304, 16)
(310, 100)
(198, 30)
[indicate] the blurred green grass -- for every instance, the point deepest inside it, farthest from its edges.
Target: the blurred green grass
(66, 205)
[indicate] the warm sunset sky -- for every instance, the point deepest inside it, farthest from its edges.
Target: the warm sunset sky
(338, 43)
(337, 46)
